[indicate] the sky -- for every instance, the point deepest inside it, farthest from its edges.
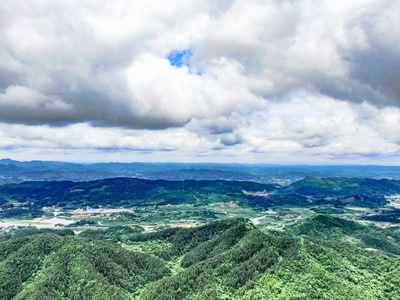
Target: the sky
(225, 81)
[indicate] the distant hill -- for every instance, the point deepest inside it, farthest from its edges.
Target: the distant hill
(130, 191)
(12, 171)
(356, 191)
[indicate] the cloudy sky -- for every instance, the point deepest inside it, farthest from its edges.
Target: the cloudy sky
(250, 81)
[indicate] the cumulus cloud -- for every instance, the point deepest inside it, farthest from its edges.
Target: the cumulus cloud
(262, 76)
(82, 142)
(21, 103)
(99, 56)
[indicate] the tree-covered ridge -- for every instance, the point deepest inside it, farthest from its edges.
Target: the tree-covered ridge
(47, 266)
(128, 192)
(15, 233)
(330, 271)
(328, 228)
(342, 187)
(224, 266)
(232, 259)
(229, 259)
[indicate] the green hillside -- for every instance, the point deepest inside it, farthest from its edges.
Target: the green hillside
(340, 186)
(228, 259)
(128, 192)
(328, 228)
(244, 263)
(355, 191)
(48, 266)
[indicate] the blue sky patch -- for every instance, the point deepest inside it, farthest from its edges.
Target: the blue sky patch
(180, 58)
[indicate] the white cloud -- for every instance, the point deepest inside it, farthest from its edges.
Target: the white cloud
(287, 78)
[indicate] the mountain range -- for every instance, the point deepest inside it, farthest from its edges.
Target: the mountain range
(12, 171)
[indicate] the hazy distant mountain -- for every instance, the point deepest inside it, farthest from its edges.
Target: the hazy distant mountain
(14, 171)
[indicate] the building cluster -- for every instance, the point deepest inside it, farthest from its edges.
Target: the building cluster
(102, 211)
(264, 193)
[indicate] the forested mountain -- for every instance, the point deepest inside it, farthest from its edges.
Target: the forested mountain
(228, 259)
(341, 187)
(357, 191)
(48, 266)
(328, 228)
(129, 192)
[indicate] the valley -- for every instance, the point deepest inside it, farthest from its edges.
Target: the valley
(131, 238)
(155, 204)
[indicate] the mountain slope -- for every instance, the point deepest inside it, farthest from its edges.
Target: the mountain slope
(356, 191)
(245, 263)
(129, 191)
(328, 228)
(47, 266)
(340, 186)
(228, 259)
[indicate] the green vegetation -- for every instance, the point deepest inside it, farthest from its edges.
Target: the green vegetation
(22, 214)
(392, 216)
(229, 259)
(114, 234)
(27, 231)
(85, 222)
(127, 192)
(328, 228)
(356, 191)
(157, 215)
(288, 251)
(48, 266)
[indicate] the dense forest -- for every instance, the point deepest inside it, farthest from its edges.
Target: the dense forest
(318, 258)
(357, 191)
(128, 192)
